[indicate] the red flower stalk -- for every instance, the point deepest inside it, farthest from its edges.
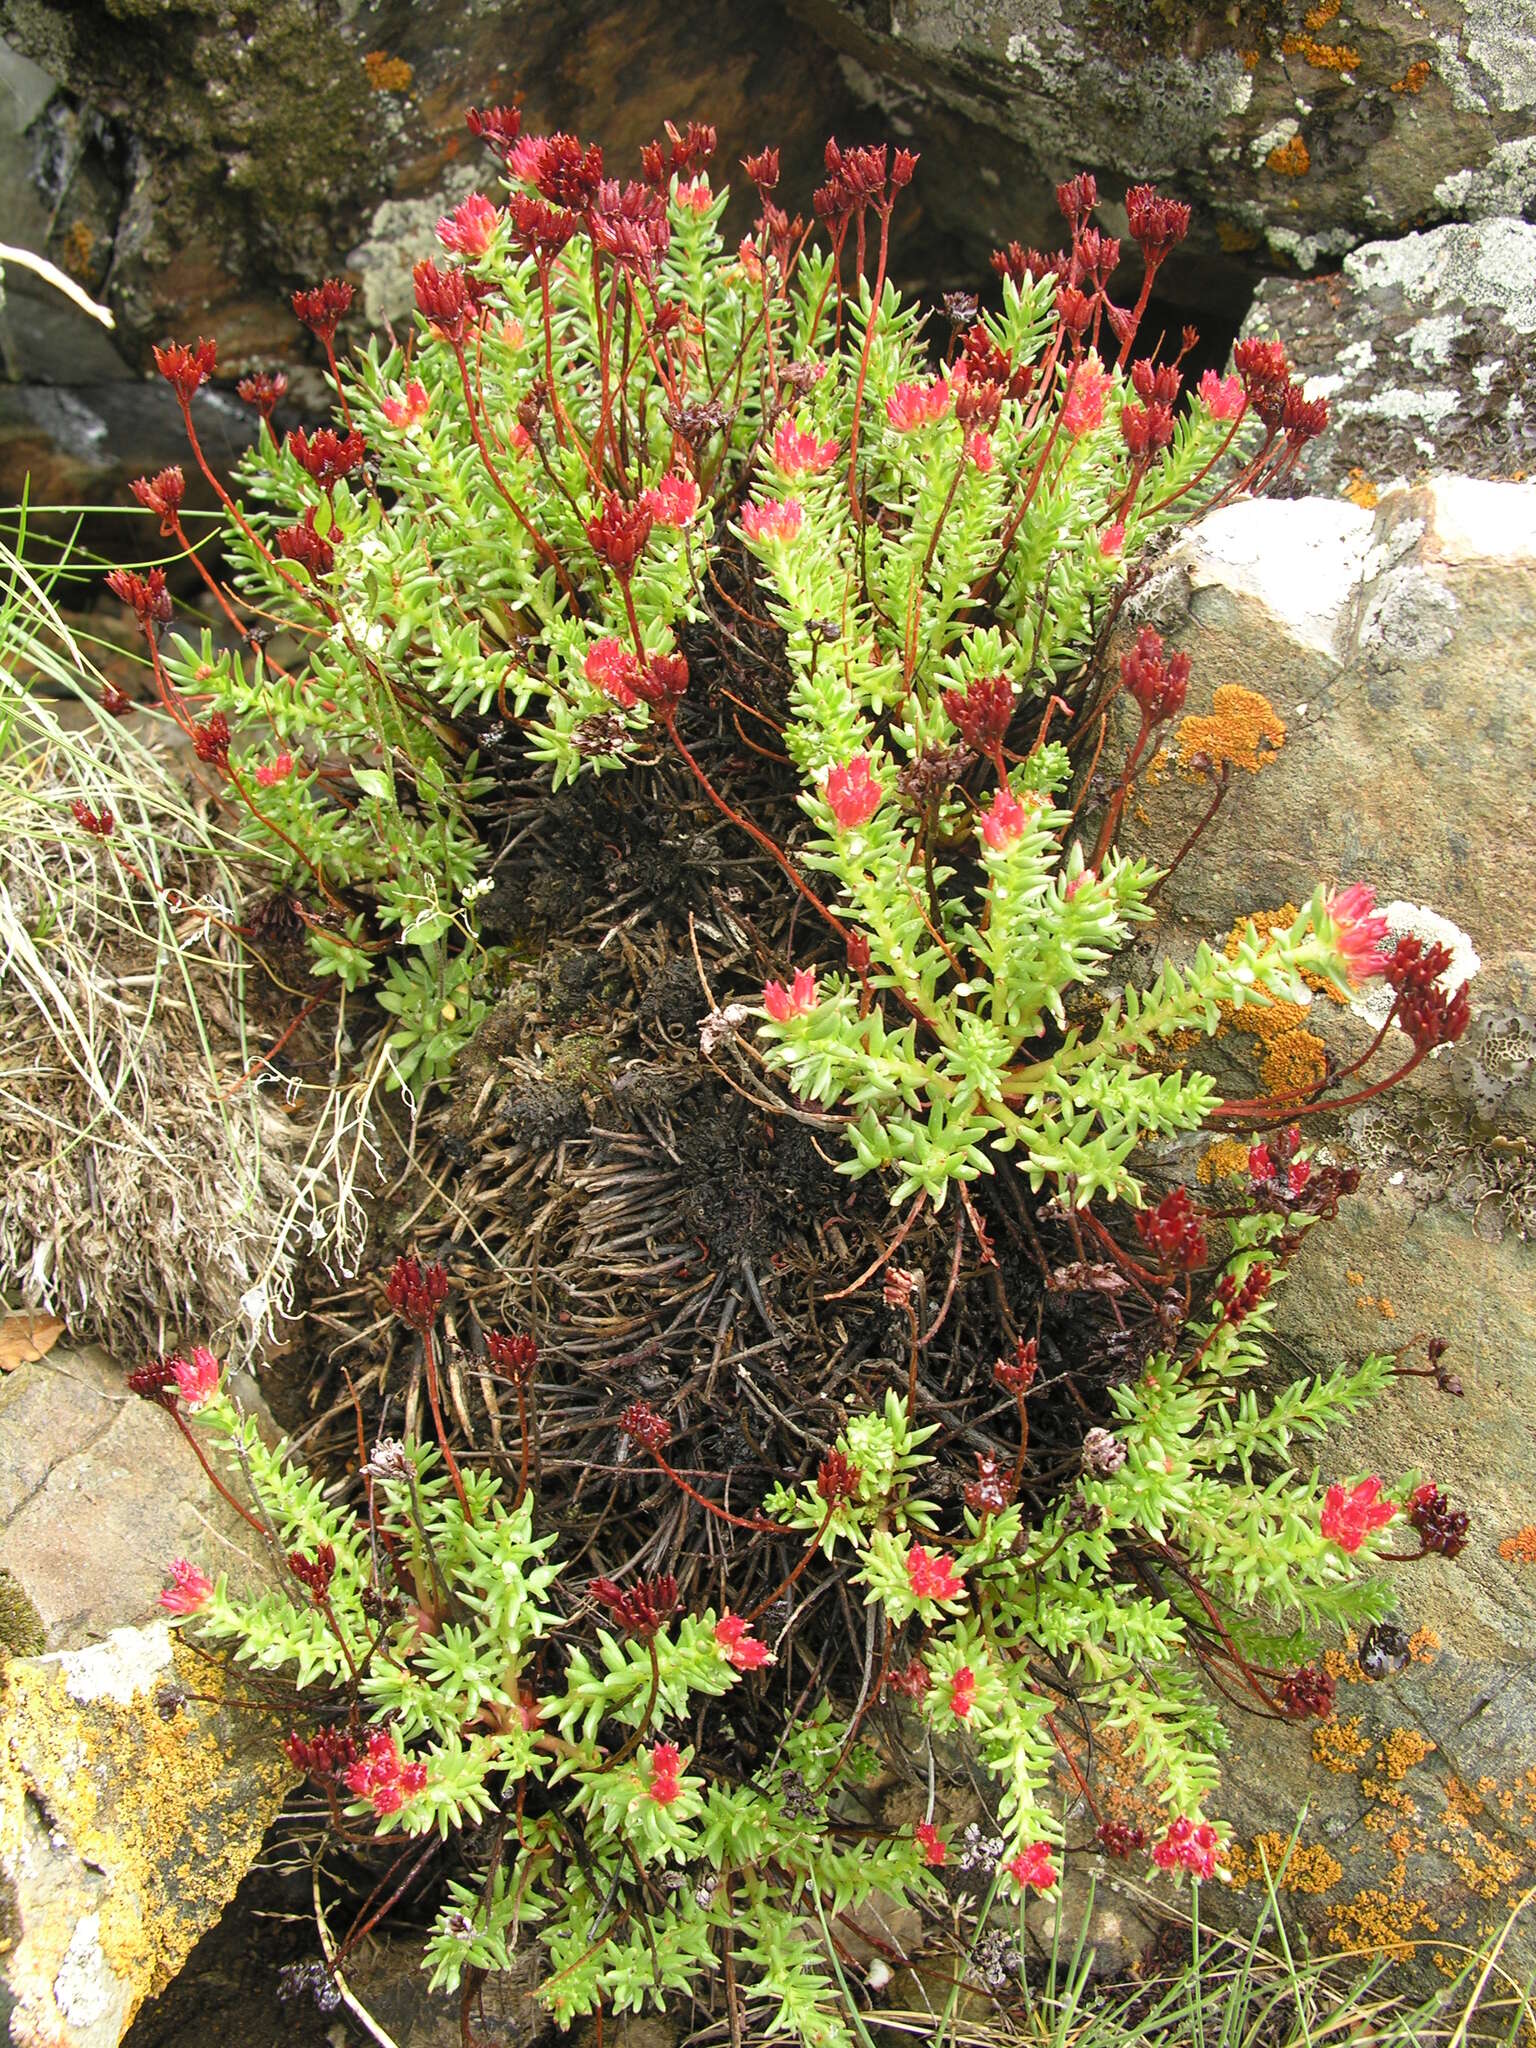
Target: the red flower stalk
(265, 390)
(186, 369)
(98, 824)
(567, 173)
(1156, 383)
(1173, 1231)
(325, 1755)
(497, 127)
(323, 307)
(162, 494)
(1120, 1839)
(147, 595)
(852, 793)
(618, 534)
(468, 230)
(1157, 224)
(315, 1573)
(382, 1776)
(302, 544)
(416, 1293)
(513, 1358)
(646, 1426)
(1240, 1298)
(641, 1610)
(327, 455)
(1016, 1375)
(838, 1479)
(539, 229)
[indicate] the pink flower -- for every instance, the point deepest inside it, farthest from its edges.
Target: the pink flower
(383, 1777)
(742, 1650)
(666, 1773)
(1358, 930)
(917, 405)
(931, 1575)
(197, 1378)
(694, 197)
(406, 412)
(962, 1693)
(520, 441)
(1348, 1518)
(930, 1842)
(978, 447)
(1032, 1868)
(775, 519)
(1002, 825)
(1083, 407)
(277, 770)
(189, 1591)
(1112, 539)
(853, 793)
(1188, 1845)
(782, 1003)
(525, 159)
(611, 666)
(469, 228)
(801, 454)
(1222, 397)
(672, 502)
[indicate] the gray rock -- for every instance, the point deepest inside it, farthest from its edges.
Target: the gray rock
(1399, 646)
(1425, 349)
(132, 1796)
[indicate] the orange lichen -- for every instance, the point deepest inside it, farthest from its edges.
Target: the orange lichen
(1227, 1159)
(1319, 16)
(386, 73)
(1423, 1646)
(77, 248)
(1361, 491)
(1250, 60)
(1290, 159)
(1339, 1745)
(1310, 1869)
(1242, 727)
(1521, 1547)
(1416, 77)
(1322, 56)
(1374, 1919)
(1401, 1750)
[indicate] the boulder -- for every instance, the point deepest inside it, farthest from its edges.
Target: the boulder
(1397, 647)
(135, 1788)
(1422, 345)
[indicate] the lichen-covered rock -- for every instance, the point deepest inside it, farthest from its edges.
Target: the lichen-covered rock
(1397, 648)
(1298, 130)
(1425, 349)
(132, 1797)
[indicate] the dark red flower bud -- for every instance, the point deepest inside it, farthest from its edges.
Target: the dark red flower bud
(148, 596)
(512, 1357)
(314, 1572)
(444, 300)
(1075, 309)
(992, 1488)
(1430, 1016)
(327, 455)
(98, 824)
(323, 307)
(1157, 224)
(1306, 1694)
(909, 1681)
(539, 229)
(1145, 431)
(497, 127)
(1156, 382)
(115, 702)
(838, 1479)
(645, 1425)
(662, 683)
(618, 533)
(1240, 1299)
(1077, 199)
(210, 741)
(983, 713)
(642, 1610)
(416, 1292)
(1303, 418)
(763, 169)
(1158, 686)
(186, 369)
(858, 954)
(979, 405)
(155, 1382)
(265, 390)
(162, 494)
(1120, 1838)
(568, 174)
(1440, 1527)
(903, 167)
(302, 544)
(1016, 1375)
(683, 155)
(1173, 1231)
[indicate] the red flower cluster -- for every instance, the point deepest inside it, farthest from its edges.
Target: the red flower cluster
(1173, 1231)
(197, 1377)
(982, 713)
(629, 224)
(497, 127)
(327, 455)
(323, 308)
(1440, 1527)
(154, 1381)
(798, 453)
(1276, 1171)
(742, 1649)
(911, 406)
(683, 155)
(1348, 1518)
(210, 742)
(326, 1754)
(645, 1425)
(838, 1479)
(416, 1292)
(931, 1842)
(782, 1003)
(382, 1776)
(1240, 1298)
(856, 180)
(1003, 822)
(162, 494)
(1188, 1845)
(512, 1357)
(1424, 1010)
(148, 596)
(1120, 1838)
(931, 1575)
(1305, 1694)
(672, 502)
(910, 1682)
(302, 544)
(618, 534)
(186, 369)
(663, 683)
(1358, 930)
(189, 1591)
(775, 519)
(468, 230)
(315, 1573)
(444, 299)
(1016, 1375)
(641, 1610)
(98, 824)
(962, 1693)
(1158, 686)
(852, 793)
(1158, 225)
(1032, 1869)
(666, 1773)
(265, 390)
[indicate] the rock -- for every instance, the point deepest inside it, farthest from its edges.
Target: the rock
(132, 1796)
(1397, 646)
(1296, 133)
(1091, 1905)
(1419, 345)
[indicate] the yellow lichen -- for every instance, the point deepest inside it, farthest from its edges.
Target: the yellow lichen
(1311, 1869)
(1416, 77)
(1242, 727)
(1423, 1646)
(1227, 1159)
(386, 73)
(1319, 16)
(1339, 1745)
(1373, 1919)
(1290, 159)
(1402, 1750)
(1361, 491)
(1322, 56)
